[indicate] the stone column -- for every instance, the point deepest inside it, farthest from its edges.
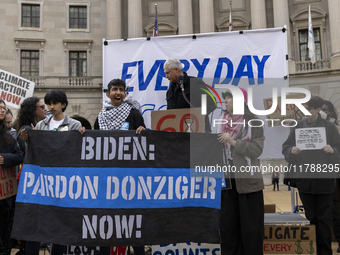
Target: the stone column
(135, 25)
(334, 21)
(281, 18)
(258, 14)
(113, 19)
(185, 17)
(207, 23)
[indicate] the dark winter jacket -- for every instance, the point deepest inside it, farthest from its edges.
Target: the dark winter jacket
(193, 90)
(304, 174)
(11, 154)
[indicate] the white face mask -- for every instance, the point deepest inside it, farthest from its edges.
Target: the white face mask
(323, 115)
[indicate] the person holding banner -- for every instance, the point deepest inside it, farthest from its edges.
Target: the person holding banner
(242, 206)
(10, 156)
(56, 101)
(315, 171)
(185, 91)
(117, 113)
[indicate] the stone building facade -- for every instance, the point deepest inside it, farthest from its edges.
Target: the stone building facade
(58, 43)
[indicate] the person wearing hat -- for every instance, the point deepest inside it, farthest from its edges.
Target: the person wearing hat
(242, 206)
(185, 91)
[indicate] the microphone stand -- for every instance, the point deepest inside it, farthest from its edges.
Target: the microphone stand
(180, 79)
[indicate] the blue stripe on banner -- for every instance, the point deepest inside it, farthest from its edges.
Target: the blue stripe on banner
(116, 188)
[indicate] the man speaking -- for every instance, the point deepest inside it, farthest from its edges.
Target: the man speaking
(185, 91)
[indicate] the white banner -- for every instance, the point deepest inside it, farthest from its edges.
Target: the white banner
(254, 58)
(14, 89)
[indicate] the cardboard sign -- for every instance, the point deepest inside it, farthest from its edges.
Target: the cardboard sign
(310, 138)
(93, 250)
(14, 89)
(187, 248)
(8, 182)
(292, 111)
(278, 239)
(179, 120)
(289, 239)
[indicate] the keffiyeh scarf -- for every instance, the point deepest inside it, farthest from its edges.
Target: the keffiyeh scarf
(235, 130)
(112, 117)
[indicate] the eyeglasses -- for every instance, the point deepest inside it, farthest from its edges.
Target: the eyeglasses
(42, 106)
(3, 108)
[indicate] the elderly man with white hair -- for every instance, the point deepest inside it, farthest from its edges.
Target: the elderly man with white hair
(185, 91)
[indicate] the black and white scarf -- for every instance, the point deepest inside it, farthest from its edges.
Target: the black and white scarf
(112, 117)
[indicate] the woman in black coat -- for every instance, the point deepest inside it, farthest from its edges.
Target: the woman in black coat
(10, 156)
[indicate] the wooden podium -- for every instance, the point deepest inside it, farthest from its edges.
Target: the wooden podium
(179, 120)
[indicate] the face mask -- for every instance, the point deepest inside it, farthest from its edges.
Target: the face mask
(323, 115)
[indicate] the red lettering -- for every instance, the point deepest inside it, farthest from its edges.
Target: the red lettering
(1, 186)
(3, 95)
(266, 248)
(9, 97)
(272, 247)
(283, 246)
(2, 174)
(278, 109)
(278, 247)
(118, 250)
(160, 122)
(269, 103)
(16, 100)
(289, 246)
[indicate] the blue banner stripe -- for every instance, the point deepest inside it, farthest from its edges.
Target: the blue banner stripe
(117, 188)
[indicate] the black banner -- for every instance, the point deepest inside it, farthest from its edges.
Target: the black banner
(117, 188)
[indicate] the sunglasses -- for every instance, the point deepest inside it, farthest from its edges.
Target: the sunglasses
(42, 106)
(4, 108)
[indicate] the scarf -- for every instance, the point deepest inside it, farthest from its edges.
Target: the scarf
(112, 117)
(235, 128)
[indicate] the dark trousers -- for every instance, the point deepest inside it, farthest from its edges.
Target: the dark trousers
(276, 182)
(32, 248)
(242, 222)
(318, 210)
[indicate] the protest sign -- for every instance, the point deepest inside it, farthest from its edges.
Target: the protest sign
(292, 111)
(8, 182)
(93, 250)
(179, 120)
(310, 138)
(14, 89)
(289, 239)
(116, 187)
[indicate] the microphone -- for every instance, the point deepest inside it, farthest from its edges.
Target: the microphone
(180, 79)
